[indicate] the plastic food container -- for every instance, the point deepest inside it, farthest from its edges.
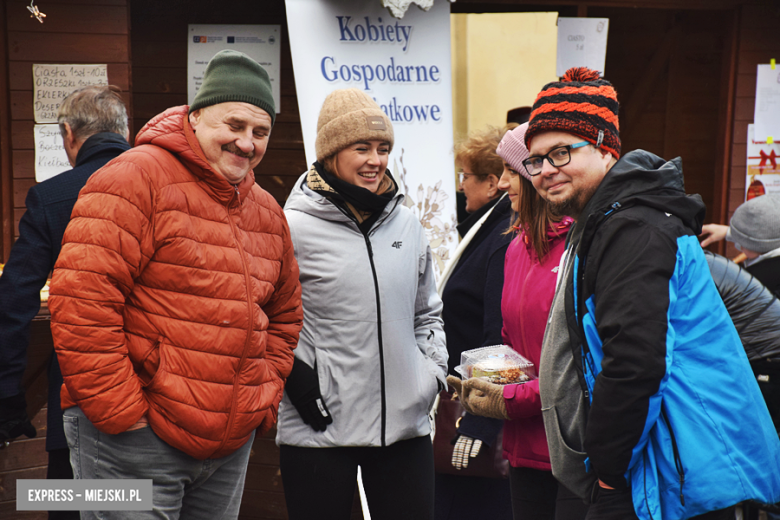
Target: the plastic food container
(497, 364)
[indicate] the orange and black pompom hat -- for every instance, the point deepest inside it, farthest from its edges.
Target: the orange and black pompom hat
(581, 104)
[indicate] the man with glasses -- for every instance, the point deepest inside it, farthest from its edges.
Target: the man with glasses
(650, 407)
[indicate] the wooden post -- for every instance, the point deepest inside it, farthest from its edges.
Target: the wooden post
(720, 202)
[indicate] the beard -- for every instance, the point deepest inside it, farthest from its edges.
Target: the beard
(573, 205)
(570, 207)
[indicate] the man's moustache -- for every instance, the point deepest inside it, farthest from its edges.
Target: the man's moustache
(232, 148)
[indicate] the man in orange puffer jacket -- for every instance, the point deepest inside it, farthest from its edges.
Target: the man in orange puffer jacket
(176, 303)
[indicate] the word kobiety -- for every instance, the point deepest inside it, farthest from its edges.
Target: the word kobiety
(369, 73)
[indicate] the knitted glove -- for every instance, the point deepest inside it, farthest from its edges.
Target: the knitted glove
(303, 389)
(13, 419)
(482, 398)
(465, 448)
(457, 384)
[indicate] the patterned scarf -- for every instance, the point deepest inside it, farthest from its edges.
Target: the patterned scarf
(361, 202)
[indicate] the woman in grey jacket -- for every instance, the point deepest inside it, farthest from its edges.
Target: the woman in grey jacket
(371, 356)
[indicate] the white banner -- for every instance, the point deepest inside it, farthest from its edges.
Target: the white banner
(405, 66)
(259, 42)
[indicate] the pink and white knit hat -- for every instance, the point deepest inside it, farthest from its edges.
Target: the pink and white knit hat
(512, 149)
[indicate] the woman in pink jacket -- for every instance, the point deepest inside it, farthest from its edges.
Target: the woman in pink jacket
(530, 269)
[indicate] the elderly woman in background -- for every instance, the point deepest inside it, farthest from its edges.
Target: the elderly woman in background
(471, 292)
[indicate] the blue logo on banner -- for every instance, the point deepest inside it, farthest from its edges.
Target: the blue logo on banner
(231, 39)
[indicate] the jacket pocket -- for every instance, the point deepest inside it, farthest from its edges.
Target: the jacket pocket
(428, 382)
(153, 365)
(568, 464)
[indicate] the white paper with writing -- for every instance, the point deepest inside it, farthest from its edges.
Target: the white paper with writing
(763, 166)
(582, 42)
(259, 42)
(766, 117)
(50, 156)
(53, 83)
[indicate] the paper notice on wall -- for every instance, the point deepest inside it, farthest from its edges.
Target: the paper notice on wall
(763, 167)
(53, 83)
(50, 156)
(259, 42)
(582, 42)
(766, 117)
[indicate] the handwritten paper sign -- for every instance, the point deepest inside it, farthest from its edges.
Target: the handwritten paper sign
(262, 43)
(53, 83)
(582, 42)
(767, 112)
(50, 156)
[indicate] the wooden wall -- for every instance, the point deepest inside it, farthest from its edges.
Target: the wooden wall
(74, 31)
(666, 66)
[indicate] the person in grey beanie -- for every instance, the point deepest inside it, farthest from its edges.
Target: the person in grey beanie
(754, 230)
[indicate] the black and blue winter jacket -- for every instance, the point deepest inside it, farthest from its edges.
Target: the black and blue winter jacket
(675, 412)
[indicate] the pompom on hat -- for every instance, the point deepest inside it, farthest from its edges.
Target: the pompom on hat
(347, 116)
(581, 104)
(512, 149)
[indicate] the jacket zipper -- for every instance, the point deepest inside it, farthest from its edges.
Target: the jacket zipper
(247, 281)
(580, 305)
(379, 330)
(677, 461)
(378, 312)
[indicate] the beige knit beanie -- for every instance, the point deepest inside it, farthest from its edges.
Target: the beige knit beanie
(347, 116)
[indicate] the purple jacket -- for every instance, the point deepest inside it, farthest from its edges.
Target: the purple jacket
(525, 305)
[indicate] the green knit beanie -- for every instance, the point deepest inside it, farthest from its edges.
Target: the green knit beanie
(234, 76)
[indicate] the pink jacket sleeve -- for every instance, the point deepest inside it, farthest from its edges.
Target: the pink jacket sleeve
(523, 401)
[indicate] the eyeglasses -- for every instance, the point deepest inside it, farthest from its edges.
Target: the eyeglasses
(462, 176)
(557, 157)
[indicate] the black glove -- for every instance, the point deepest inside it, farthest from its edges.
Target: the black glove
(13, 419)
(482, 428)
(303, 389)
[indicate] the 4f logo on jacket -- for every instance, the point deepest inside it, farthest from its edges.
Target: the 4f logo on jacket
(397, 244)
